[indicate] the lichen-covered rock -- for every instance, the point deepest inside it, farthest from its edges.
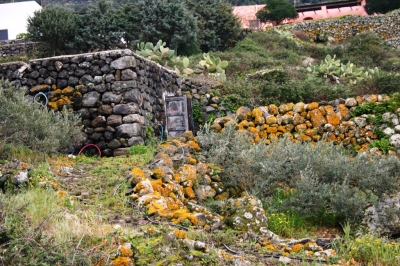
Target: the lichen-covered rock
(317, 119)
(384, 218)
(395, 141)
(243, 113)
(247, 215)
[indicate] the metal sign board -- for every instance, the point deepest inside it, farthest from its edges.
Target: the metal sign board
(176, 112)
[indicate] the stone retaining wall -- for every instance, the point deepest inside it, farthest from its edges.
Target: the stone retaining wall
(117, 93)
(386, 26)
(313, 122)
(16, 47)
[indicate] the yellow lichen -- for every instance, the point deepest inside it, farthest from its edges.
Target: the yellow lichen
(159, 173)
(194, 145)
(297, 248)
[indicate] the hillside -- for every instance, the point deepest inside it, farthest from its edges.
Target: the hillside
(294, 162)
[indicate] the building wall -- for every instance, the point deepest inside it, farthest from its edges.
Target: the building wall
(13, 17)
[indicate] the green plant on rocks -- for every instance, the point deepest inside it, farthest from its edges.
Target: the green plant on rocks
(211, 64)
(336, 72)
(164, 56)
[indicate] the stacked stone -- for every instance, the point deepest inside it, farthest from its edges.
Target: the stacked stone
(306, 122)
(117, 93)
(177, 182)
(175, 185)
(209, 105)
(16, 47)
(386, 26)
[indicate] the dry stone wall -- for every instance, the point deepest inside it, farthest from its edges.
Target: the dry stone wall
(311, 122)
(16, 47)
(117, 93)
(386, 26)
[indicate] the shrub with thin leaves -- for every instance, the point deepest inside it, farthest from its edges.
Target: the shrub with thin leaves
(323, 179)
(25, 122)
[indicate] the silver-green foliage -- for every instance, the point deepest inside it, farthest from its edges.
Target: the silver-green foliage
(337, 72)
(27, 123)
(322, 178)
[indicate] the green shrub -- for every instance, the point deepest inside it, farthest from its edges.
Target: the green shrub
(24, 122)
(324, 180)
(302, 91)
(189, 49)
(383, 83)
(138, 149)
(369, 50)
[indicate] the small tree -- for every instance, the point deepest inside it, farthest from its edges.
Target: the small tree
(167, 20)
(218, 27)
(277, 11)
(98, 28)
(55, 27)
(381, 6)
(128, 21)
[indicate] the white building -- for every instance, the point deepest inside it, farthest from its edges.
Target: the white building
(13, 18)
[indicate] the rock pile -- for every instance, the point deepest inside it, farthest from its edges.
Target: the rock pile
(14, 172)
(177, 185)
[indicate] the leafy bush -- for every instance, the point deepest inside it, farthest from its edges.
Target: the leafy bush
(138, 149)
(369, 50)
(302, 91)
(383, 83)
(24, 122)
(323, 179)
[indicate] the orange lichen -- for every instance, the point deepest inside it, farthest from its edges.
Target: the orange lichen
(256, 113)
(194, 145)
(272, 130)
(259, 120)
(24, 165)
(189, 192)
(159, 173)
(157, 185)
(122, 261)
(180, 234)
(67, 91)
(62, 193)
(297, 248)
(192, 160)
(53, 105)
(125, 251)
(138, 174)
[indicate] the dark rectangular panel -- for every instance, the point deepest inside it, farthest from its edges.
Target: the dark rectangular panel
(3, 35)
